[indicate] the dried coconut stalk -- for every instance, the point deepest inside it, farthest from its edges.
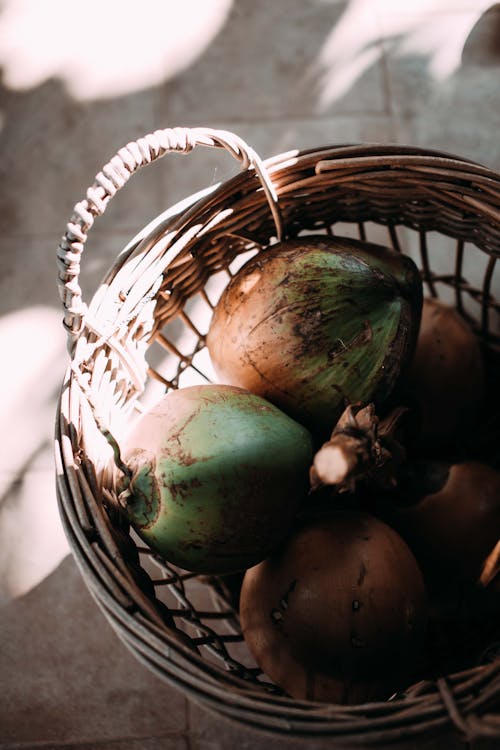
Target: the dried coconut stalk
(360, 447)
(491, 567)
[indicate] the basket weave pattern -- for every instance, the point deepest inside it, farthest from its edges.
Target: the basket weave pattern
(144, 333)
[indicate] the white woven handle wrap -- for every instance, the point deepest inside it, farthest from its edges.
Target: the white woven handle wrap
(113, 176)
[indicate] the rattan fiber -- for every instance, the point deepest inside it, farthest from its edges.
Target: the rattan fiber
(143, 332)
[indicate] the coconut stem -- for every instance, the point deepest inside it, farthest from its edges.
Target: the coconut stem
(360, 447)
(491, 567)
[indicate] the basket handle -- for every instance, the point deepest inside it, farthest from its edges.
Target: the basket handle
(113, 176)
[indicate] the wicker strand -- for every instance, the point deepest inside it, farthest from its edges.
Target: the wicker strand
(467, 729)
(101, 424)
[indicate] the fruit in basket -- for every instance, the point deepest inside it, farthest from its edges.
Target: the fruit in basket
(449, 514)
(217, 477)
(339, 612)
(446, 375)
(316, 323)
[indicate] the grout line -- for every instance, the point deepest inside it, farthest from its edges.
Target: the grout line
(386, 77)
(189, 738)
(91, 743)
(15, 478)
(285, 117)
(46, 235)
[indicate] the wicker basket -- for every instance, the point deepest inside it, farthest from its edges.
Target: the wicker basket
(143, 332)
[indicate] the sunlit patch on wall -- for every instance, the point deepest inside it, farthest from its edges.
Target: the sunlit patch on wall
(104, 49)
(32, 541)
(431, 30)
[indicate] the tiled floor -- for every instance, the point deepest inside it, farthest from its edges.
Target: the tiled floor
(282, 74)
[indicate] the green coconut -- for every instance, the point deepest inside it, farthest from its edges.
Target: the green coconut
(317, 323)
(218, 474)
